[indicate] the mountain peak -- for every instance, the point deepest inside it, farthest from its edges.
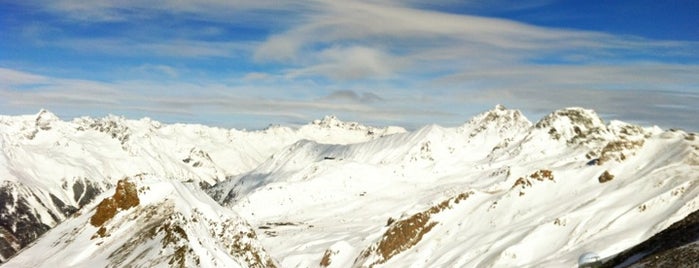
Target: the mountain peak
(45, 113)
(574, 116)
(329, 121)
(574, 124)
(499, 118)
(332, 123)
(44, 118)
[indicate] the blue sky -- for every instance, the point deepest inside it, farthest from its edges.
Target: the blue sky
(246, 64)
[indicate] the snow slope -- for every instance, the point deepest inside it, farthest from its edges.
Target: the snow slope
(495, 192)
(153, 222)
(50, 168)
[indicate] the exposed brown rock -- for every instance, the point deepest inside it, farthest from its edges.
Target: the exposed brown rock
(605, 177)
(614, 150)
(539, 175)
(326, 261)
(521, 181)
(101, 232)
(125, 197)
(405, 233)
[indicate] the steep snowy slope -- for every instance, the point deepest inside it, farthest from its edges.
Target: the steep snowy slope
(148, 221)
(429, 150)
(50, 168)
(496, 192)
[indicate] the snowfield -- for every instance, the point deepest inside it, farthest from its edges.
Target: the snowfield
(498, 191)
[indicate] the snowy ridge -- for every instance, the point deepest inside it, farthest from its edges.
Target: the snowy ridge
(587, 186)
(158, 223)
(50, 168)
(497, 191)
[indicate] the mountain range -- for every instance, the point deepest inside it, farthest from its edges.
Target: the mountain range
(497, 191)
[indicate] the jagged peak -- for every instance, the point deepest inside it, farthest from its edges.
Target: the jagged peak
(43, 120)
(46, 115)
(331, 121)
(624, 129)
(499, 113)
(499, 118)
(575, 125)
(574, 116)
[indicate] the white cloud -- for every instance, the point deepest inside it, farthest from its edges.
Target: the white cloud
(277, 49)
(160, 99)
(170, 48)
(10, 77)
(350, 64)
(106, 10)
(353, 40)
(352, 96)
(256, 76)
(148, 69)
(639, 76)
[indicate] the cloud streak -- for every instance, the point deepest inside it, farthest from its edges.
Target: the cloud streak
(376, 61)
(384, 41)
(189, 100)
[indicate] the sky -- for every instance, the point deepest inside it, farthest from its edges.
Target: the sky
(251, 63)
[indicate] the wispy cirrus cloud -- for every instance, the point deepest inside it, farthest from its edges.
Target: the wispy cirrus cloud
(350, 63)
(12, 77)
(185, 101)
(367, 33)
(110, 11)
(383, 61)
(353, 96)
(161, 48)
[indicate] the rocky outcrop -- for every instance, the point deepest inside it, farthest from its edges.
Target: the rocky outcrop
(405, 233)
(526, 182)
(575, 126)
(125, 197)
(605, 177)
(113, 126)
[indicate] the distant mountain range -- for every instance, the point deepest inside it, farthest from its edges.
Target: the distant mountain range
(497, 191)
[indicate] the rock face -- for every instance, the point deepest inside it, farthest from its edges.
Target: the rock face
(27, 213)
(125, 197)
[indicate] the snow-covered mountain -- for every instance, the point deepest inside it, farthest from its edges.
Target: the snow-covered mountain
(497, 191)
(149, 221)
(50, 168)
